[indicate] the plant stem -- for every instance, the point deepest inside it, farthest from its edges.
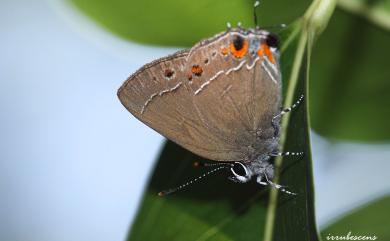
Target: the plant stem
(313, 23)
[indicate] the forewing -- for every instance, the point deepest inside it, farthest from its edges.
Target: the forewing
(159, 95)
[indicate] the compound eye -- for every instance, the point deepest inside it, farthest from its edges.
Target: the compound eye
(272, 40)
(239, 169)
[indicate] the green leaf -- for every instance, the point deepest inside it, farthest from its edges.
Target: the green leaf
(182, 23)
(370, 220)
(222, 210)
(376, 11)
(350, 80)
(216, 209)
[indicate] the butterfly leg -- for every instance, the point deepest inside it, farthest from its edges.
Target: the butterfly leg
(259, 181)
(274, 185)
(276, 118)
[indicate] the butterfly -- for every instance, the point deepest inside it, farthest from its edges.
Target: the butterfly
(221, 100)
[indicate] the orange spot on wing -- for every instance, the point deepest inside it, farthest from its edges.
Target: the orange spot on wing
(260, 52)
(225, 51)
(241, 52)
(197, 70)
(264, 50)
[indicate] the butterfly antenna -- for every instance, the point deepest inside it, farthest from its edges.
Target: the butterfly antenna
(172, 190)
(255, 5)
(277, 27)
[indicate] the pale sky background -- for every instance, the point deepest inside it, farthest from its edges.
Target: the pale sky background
(73, 161)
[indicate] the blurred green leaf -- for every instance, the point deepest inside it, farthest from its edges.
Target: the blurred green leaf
(377, 11)
(369, 220)
(180, 22)
(351, 80)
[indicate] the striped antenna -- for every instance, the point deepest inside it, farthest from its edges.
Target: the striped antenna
(255, 5)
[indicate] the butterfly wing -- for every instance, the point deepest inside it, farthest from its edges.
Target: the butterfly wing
(158, 95)
(205, 100)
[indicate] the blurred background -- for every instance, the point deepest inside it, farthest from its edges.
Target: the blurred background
(74, 162)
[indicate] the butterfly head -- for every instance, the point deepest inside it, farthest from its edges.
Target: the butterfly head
(244, 171)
